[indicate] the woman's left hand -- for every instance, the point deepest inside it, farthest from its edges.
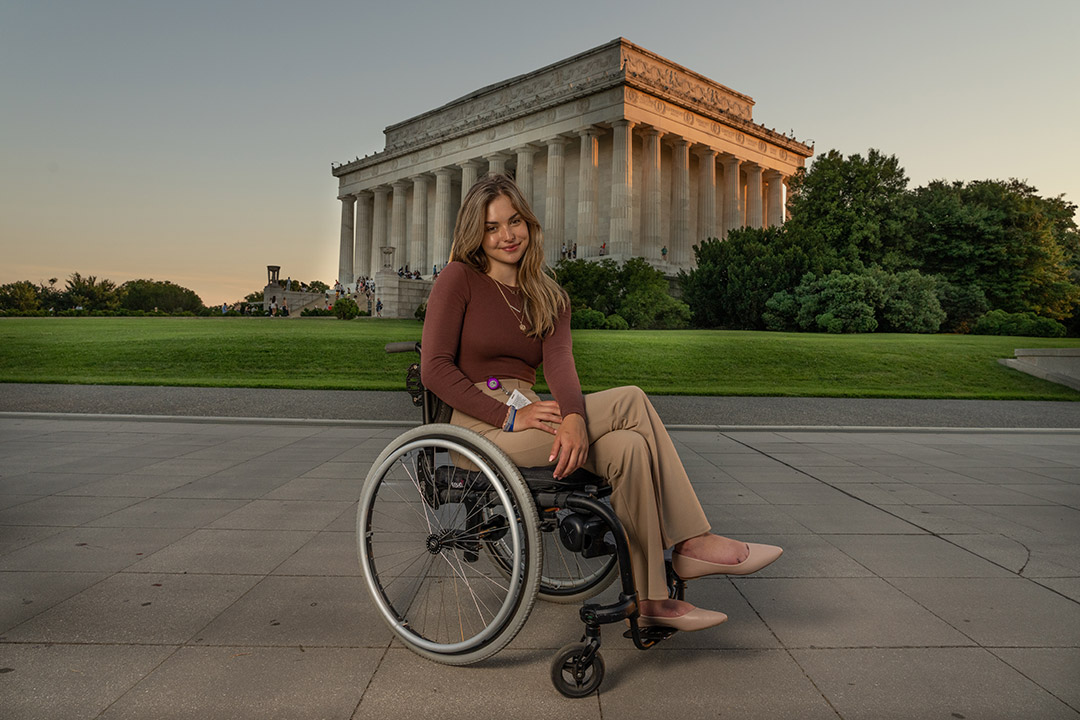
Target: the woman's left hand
(571, 445)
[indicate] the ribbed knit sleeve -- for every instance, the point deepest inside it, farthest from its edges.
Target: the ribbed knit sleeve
(440, 342)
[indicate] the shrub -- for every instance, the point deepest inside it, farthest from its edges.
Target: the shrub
(963, 304)
(587, 319)
(999, 322)
(345, 308)
(616, 322)
(909, 302)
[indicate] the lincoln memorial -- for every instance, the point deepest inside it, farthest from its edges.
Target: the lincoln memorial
(621, 153)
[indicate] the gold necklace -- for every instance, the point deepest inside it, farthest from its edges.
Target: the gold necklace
(517, 313)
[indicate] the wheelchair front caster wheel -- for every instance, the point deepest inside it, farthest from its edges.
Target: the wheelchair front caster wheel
(574, 673)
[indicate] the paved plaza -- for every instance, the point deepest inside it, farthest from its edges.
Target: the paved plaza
(195, 568)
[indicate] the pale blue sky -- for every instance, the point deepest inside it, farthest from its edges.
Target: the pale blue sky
(192, 141)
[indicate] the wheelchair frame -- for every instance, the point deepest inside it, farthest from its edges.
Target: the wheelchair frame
(499, 501)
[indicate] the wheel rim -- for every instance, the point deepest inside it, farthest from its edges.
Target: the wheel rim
(414, 551)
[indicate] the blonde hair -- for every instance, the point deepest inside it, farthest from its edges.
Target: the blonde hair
(542, 297)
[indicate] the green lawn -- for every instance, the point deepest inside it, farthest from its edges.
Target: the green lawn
(325, 353)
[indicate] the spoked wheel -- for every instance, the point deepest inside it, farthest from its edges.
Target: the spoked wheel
(567, 577)
(574, 673)
(433, 505)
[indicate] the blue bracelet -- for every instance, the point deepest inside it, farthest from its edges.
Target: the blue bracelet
(508, 426)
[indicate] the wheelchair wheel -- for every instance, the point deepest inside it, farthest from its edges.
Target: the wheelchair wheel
(574, 673)
(434, 502)
(568, 577)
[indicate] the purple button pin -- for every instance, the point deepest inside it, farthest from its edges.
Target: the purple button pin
(493, 383)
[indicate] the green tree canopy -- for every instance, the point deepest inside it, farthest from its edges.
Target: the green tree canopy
(148, 295)
(852, 210)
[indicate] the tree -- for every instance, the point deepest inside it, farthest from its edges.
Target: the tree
(20, 296)
(89, 293)
(635, 291)
(317, 286)
(734, 278)
(1001, 238)
(854, 210)
(149, 295)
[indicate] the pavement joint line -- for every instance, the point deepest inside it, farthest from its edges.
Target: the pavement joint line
(330, 422)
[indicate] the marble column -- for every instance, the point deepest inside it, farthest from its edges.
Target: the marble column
(554, 204)
(523, 176)
(776, 198)
(706, 197)
(362, 250)
(497, 163)
(444, 218)
(345, 254)
(379, 236)
(753, 196)
(418, 243)
(470, 170)
(397, 222)
(680, 202)
(621, 234)
(588, 220)
(652, 197)
(732, 209)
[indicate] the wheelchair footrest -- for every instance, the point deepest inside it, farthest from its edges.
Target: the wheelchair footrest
(651, 635)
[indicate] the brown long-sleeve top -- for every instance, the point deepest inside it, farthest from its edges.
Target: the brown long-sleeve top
(470, 334)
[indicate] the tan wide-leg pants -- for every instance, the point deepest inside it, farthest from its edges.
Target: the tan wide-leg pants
(630, 448)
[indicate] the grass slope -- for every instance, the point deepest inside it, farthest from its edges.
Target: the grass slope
(325, 353)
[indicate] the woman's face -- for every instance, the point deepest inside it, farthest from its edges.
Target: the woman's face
(506, 234)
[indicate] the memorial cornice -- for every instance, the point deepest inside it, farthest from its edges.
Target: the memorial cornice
(617, 63)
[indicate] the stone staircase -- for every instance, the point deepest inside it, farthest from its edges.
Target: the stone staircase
(1058, 365)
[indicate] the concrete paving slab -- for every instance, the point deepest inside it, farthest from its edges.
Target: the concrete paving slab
(74, 682)
(136, 608)
(998, 612)
(901, 683)
(58, 511)
(844, 613)
(86, 549)
(26, 594)
(1053, 669)
(267, 683)
(300, 612)
(514, 684)
(694, 684)
(326, 554)
(283, 515)
(895, 556)
(244, 552)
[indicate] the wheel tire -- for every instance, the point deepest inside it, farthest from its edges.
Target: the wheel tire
(562, 671)
(441, 596)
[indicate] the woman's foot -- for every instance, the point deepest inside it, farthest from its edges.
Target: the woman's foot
(714, 549)
(710, 554)
(677, 614)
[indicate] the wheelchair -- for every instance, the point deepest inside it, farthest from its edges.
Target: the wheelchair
(456, 543)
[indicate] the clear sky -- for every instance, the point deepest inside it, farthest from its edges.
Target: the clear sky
(191, 141)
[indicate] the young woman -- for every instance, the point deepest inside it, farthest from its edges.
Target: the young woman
(494, 314)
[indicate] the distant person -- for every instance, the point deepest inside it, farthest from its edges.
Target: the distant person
(663, 253)
(224, 308)
(284, 307)
(378, 307)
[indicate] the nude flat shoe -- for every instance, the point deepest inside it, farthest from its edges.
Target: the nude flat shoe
(689, 568)
(690, 621)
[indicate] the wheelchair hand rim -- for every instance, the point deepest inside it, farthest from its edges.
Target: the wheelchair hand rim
(512, 599)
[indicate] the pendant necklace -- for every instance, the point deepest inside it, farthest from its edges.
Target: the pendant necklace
(517, 313)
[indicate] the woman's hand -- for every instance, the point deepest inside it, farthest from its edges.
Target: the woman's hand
(536, 415)
(571, 445)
